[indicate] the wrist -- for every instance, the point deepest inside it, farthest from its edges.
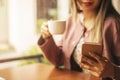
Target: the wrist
(112, 71)
(45, 37)
(42, 39)
(108, 71)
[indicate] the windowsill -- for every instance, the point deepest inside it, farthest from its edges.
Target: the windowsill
(8, 54)
(6, 48)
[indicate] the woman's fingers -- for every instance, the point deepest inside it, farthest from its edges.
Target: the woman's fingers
(46, 35)
(101, 60)
(90, 61)
(92, 69)
(87, 67)
(44, 27)
(44, 31)
(96, 57)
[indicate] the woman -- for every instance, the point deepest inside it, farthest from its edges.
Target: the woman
(90, 21)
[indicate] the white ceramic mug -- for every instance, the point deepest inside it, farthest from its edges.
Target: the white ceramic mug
(56, 26)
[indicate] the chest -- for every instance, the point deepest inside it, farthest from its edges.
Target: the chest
(72, 39)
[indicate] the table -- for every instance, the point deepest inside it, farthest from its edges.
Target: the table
(41, 72)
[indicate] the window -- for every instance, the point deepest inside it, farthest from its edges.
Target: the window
(46, 9)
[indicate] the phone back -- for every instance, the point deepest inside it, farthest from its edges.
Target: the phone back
(91, 47)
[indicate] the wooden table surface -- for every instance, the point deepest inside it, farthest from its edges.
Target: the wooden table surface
(41, 72)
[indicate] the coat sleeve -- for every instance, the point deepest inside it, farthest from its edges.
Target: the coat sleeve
(51, 51)
(111, 43)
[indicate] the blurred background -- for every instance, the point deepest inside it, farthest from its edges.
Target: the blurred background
(20, 22)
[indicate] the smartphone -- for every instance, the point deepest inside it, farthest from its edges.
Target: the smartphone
(95, 48)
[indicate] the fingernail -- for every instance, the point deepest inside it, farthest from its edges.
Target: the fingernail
(90, 53)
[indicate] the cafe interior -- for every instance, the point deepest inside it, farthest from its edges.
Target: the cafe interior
(20, 56)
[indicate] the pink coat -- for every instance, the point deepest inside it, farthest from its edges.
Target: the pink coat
(61, 54)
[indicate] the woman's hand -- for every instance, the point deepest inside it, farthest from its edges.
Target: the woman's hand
(44, 31)
(98, 66)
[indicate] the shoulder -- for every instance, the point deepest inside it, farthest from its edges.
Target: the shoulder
(110, 24)
(109, 21)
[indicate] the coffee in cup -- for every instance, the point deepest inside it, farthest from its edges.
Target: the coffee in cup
(56, 26)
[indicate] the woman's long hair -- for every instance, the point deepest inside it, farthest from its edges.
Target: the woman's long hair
(105, 9)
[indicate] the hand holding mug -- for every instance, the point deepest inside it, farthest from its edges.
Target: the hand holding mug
(52, 27)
